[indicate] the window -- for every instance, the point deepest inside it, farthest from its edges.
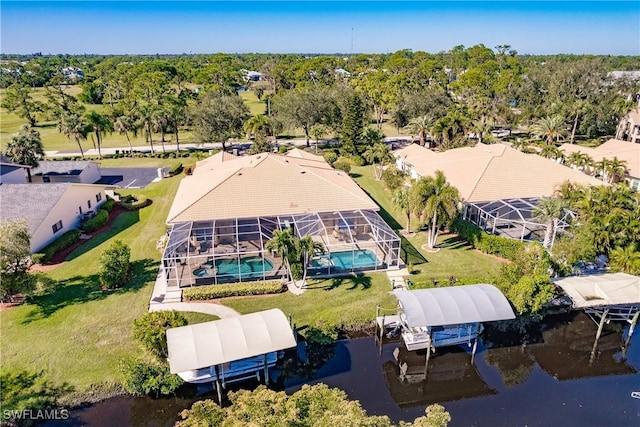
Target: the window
(89, 204)
(56, 227)
(98, 197)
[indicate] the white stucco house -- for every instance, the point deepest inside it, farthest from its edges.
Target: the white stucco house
(50, 209)
(75, 171)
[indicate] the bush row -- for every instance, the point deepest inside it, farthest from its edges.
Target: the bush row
(132, 203)
(108, 205)
(134, 154)
(231, 290)
(98, 221)
(488, 243)
(62, 242)
(175, 169)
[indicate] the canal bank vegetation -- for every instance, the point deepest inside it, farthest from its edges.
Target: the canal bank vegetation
(316, 405)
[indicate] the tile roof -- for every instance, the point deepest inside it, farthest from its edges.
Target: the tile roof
(623, 150)
(32, 202)
(493, 172)
(262, 185)
(64, 167)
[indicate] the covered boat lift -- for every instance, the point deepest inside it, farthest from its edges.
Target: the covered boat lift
(230, 349)
(438, 317)
(605, 297)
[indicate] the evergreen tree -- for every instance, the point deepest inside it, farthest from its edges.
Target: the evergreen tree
(353, 126)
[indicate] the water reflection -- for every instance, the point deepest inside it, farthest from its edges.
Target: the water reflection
(520, 377)
(451, 376)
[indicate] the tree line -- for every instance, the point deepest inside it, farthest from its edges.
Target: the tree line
(442, 98)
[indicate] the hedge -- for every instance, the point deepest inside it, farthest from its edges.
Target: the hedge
(62, 242)
(231, 290)
(488, 243)
(92, 224)
(132, 203)
(108, 205)
(175, 169)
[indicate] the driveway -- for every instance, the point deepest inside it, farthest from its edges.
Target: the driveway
(128, 177)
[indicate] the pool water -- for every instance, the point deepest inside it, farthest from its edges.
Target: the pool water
(245, 268)
(347, 260)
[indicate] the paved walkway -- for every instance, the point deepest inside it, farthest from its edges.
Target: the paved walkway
(396, 277)
(219, 310)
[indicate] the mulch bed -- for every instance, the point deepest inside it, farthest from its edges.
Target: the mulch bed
(60, 256)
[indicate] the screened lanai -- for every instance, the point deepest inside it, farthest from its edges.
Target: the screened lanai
(233, 250)
(513, 218)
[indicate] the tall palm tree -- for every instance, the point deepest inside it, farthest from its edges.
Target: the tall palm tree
(100, 124)
(402, 199)
(176, 117)
(616, 170)
(378, 153)
(420, 126)
(550, 129)
(282, 242)
(307, 247)
(437, 201)
(159, 121)
(25, 148)
(146, 122)
(74, 126)
(123, 125)
(602, 168)
(259, 126)
(550, 211)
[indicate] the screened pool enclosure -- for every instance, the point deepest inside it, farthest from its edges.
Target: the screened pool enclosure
(233, 250)
(513, 218)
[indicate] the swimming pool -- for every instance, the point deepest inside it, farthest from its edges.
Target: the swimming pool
(245, 268)
(346, 260)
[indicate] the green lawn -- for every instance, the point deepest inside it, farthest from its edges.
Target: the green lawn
(454, 258)
(341, 301)
(78, 333)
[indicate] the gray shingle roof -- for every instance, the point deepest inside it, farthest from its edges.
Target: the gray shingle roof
(69, 167)
(33, 202)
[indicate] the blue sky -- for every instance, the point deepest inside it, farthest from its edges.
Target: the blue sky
(148, 27)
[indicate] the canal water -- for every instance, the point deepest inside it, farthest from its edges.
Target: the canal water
(544, 375)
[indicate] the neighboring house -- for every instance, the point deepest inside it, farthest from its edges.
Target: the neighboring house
(629, 127)
(76, 171)
(622, 150)
(499, 186)
(49, 209)
(12, 173)
(225, 213)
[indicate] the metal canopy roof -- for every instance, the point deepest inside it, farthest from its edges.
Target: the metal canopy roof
(601, 289)
(453, 305)
(225, 340)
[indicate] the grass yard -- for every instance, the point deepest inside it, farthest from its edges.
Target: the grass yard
(454, 258)
(342, 301)
(78, 333)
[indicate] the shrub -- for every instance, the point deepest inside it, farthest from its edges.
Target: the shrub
(38, 258)
(98, 221)
(151, 330)
(342, 164)
(115, 265)
(62, 242)
(393, 178)
(322, 333)
(135, 202)
(230, 290)
(188, 170)
(175, 169)
(142, 378)
(488, 243)
(283, 149)
(297, 271)
(357, 160)
(108, 205)
(330, 157)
